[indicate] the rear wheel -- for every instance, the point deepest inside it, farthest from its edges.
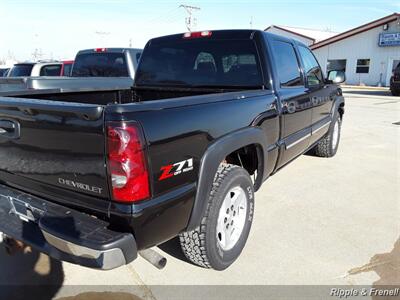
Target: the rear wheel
(328, 145)
(225, 225)
(395, 92)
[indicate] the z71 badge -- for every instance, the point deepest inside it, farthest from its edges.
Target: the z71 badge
(176, 169)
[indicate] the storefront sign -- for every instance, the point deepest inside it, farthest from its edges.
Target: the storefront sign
(389, 39)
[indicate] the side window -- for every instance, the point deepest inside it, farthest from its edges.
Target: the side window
(287, 64)
(51, 70)
(311, 68)
(233, 61)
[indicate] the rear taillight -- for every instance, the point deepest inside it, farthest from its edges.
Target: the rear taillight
(100, 50)
(127, 162)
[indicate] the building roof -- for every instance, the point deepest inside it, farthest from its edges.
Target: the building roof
(312, 34)
(357, 30)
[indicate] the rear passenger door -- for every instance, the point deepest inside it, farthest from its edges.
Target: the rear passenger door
(294, 99)
(320, 93)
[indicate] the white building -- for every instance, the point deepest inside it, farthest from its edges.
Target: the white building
(368, 53)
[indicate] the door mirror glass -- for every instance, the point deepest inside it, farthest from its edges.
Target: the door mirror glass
(336, 76)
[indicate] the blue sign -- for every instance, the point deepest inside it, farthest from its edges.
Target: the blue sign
(389, 39)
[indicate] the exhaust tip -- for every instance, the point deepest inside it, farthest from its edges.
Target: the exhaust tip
(154, 258)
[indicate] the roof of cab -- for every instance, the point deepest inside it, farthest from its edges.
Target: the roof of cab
(230, 34)
(109, 50)
(215, 34)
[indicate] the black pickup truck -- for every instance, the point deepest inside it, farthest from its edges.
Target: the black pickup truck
(97, 179)
(395, 81)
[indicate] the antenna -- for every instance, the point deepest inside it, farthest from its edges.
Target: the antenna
(189, 20)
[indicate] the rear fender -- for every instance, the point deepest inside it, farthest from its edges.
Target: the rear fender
(213, 157)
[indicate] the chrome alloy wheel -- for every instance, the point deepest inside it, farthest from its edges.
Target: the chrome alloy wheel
(335, 135)
(231, 218)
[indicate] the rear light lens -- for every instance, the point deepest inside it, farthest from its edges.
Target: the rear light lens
(198, 34)
(127, 162)
(100, 50)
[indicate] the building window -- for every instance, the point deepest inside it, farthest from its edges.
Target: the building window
(336, 65)
(362, 66)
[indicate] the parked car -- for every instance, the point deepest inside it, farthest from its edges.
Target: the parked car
(104, 68)
(66, 67)
(395, 81)
(210, 117)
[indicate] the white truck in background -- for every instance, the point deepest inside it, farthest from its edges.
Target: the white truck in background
(88, 72)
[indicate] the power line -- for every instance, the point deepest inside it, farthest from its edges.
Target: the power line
(189, 20)
(165, 15)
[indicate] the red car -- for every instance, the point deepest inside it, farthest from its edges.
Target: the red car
(66, 67)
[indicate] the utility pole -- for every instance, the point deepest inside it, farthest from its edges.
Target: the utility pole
(251, 22)
(189, 20)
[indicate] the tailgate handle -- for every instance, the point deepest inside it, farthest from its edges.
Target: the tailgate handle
(9, 129)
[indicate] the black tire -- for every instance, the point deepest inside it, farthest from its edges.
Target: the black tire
(395, 92)
(325, 147)
(201, 245)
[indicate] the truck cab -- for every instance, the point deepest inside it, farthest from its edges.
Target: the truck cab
(106, 62)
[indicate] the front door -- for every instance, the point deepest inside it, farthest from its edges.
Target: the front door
(320, 93)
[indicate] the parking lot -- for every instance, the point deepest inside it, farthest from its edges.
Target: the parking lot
(317, 222)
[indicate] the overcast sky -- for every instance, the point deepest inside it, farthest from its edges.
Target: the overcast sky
(62, 27)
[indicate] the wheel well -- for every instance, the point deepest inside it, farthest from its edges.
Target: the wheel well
(247, 157)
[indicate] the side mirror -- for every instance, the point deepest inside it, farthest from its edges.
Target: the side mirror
(335, 76)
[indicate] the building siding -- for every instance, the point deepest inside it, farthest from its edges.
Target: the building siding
(363, 46)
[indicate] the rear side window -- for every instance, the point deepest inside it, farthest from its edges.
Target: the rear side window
(286, 64)
(21, 70)
(100, 65)
(200, 63)
(51, 70)
(240, 61)
(311, 67)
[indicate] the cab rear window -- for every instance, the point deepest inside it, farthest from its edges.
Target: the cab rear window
(100, 65)
(21, 70)
(203, 62)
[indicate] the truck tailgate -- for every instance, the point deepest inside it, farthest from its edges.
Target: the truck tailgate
(53, 146)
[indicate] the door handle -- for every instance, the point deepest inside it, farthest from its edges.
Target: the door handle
(9, 129)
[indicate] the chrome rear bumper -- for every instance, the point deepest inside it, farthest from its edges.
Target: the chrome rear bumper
(63, 233)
